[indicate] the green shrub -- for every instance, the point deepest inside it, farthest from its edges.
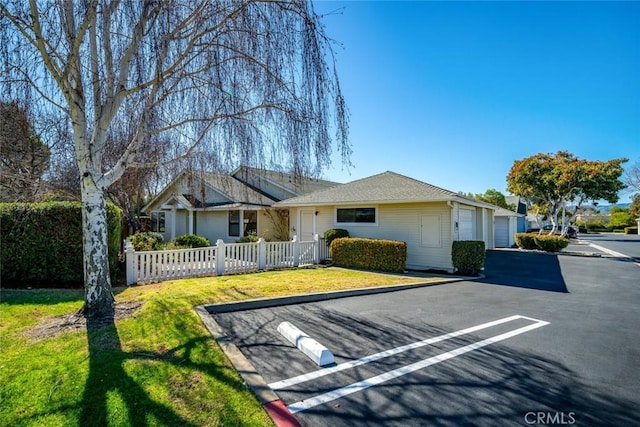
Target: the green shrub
(191, 241)
(525, 240)
(631, 230)
(147, 241)
(551, 243)
(369, 254)
(468, 256)
(42, 243)
(335, 233)
(249, 238)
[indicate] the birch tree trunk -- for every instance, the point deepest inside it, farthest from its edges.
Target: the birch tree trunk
(99, 300)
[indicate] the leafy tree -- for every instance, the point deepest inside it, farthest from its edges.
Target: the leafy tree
(24, 158)
(234, 81)
(620, 218)
(494, 197)
(554, 180)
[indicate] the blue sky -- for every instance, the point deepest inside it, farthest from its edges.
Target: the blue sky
(452, 93)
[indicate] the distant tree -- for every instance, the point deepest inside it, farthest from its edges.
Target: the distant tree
(24, 158)
(494, 197)
(620, 218)
(632, 176)
(556, 179)
(634, 207)
(245, 81)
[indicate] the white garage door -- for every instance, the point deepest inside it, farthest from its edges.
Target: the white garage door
(502, 232)
(467, 224)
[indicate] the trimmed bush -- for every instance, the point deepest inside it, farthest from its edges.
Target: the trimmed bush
(551, 243)
(631, 230)
(335, 233)
(250, 238)
(191, 241)
(468, 256)
(147, 241)
(42, 243)
(369, 254)
(526, 240)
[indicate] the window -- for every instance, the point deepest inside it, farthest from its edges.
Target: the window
(248, 219)
(356, 215)
(157, 222)
(234, 223)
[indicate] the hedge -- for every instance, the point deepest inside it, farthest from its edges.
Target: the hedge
(191, 241)
(147, 241)
(42, 243)
(369, 254)
(543, 242)
(468, 256)
(631, 230)
(334, 233)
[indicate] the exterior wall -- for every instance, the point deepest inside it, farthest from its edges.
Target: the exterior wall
(213, 225)
(402, 222)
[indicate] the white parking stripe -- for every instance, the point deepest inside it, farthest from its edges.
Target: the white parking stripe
(612, 252)
(279, 385)
(387, 376)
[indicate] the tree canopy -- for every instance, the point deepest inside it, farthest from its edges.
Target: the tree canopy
(494, 197)
(223, 82)
(554, 180)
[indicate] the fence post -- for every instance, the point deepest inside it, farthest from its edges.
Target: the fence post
(262, 254)
(296, 251)
(130, 262)
(316, 249)
(220, 255)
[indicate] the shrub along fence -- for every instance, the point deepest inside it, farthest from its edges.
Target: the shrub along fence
(153, 266)
(42, 243)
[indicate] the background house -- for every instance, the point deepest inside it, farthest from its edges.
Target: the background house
(520, 207)
(506, 225)
(396, 207)
(227, 206)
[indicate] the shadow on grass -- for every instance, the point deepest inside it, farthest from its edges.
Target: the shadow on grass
(529, 270)
(108, 380)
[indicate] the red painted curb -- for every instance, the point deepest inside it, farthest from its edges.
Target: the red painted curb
(280, 414)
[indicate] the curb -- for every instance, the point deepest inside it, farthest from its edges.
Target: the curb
(270, 401)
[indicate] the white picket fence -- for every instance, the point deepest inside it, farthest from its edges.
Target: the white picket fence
(154, 266)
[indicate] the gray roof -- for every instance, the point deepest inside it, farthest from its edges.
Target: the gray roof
(506, 212)
(294, 184)
(387, 187)
(235, 190)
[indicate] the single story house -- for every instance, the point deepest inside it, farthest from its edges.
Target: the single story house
(227, 206)
(396, 207)
(506, 225)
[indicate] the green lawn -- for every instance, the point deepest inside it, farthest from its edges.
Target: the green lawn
(158, 367)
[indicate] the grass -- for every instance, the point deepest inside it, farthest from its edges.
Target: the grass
(159, 367)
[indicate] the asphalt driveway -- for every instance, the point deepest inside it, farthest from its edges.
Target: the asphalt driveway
(540, 338)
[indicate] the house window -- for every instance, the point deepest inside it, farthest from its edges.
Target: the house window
(234, 223)
(248, 219)
(356, 215)
(157, 222)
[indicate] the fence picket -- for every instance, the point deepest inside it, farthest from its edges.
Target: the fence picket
(152, 266)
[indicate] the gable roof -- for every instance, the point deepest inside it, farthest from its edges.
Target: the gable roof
(295, 185)
(387, 187)
(235, 191)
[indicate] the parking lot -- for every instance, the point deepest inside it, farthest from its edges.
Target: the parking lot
(540, 338)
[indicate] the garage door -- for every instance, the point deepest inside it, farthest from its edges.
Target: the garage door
(467, 224)
(502, 232)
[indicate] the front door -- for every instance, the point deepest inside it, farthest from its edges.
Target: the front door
(307, 225)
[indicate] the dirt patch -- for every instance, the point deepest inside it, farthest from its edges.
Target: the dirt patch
(73, 322)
